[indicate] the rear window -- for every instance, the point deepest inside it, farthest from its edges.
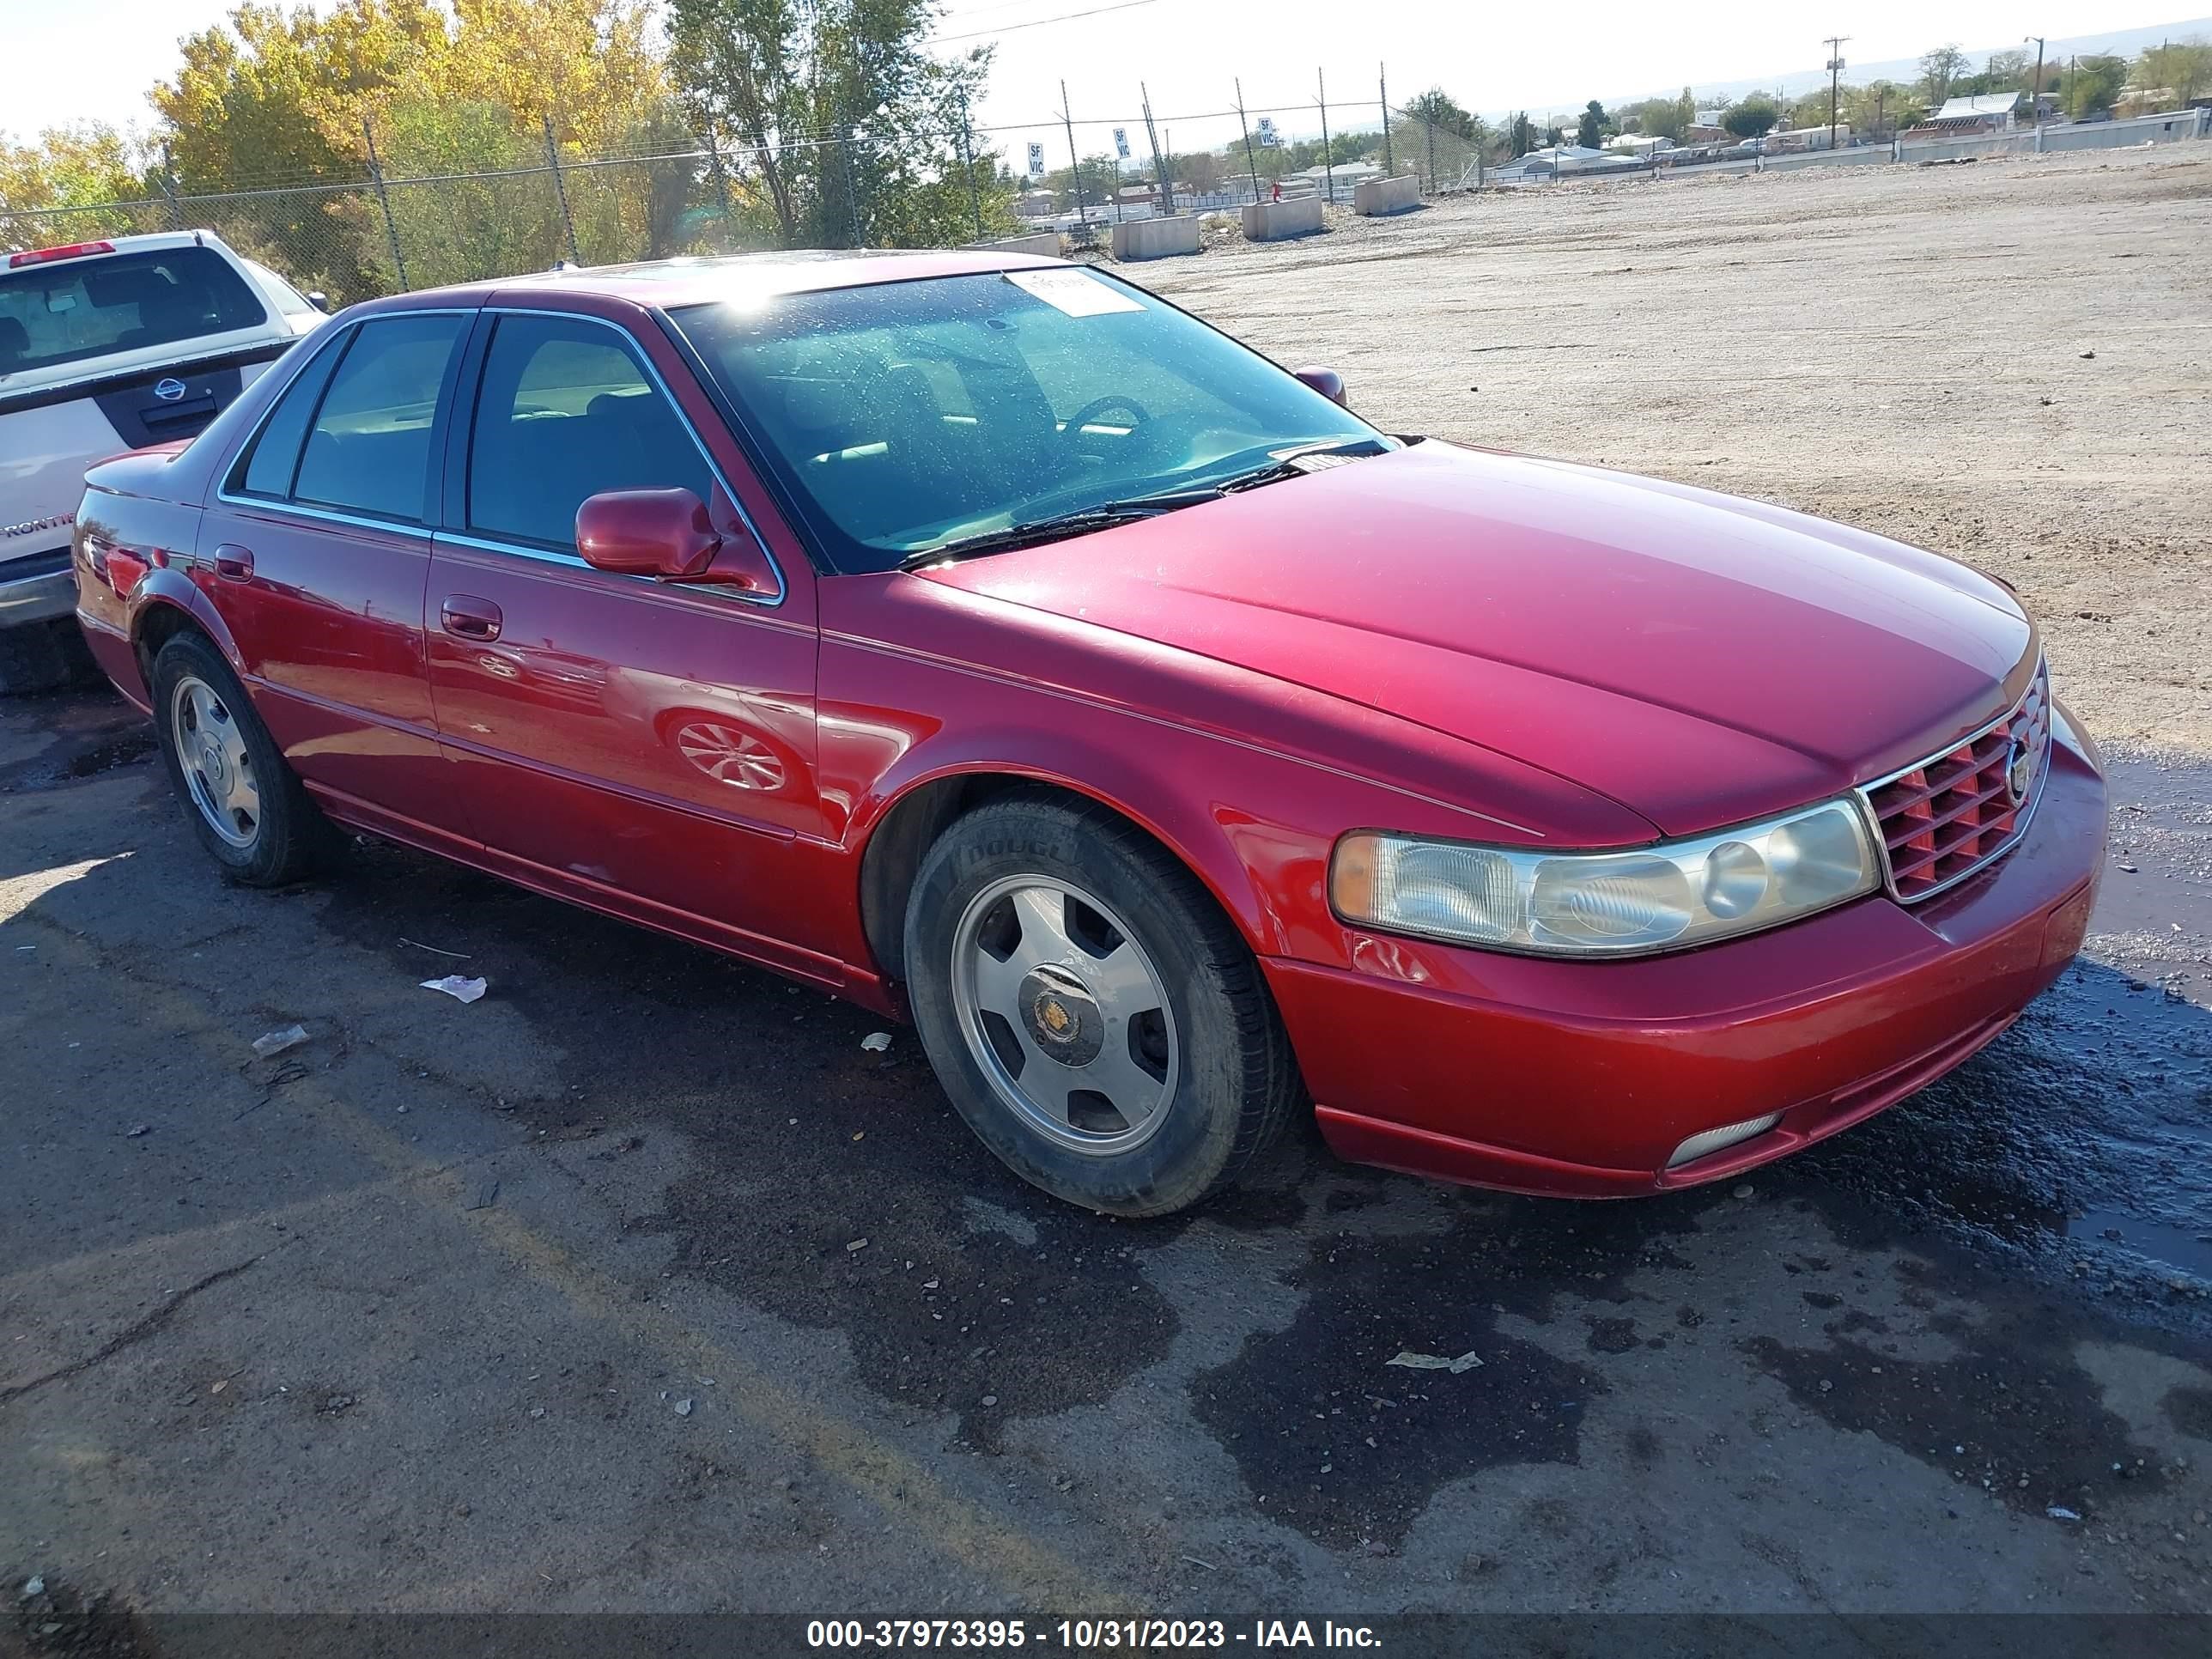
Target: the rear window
(79, 308)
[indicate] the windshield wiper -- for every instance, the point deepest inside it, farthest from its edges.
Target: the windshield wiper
(1057, 527)
(1296, 463)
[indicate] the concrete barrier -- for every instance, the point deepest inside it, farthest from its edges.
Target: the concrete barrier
(1155, 239)
(1046, 242)
(1379, 195)
(1267, 222)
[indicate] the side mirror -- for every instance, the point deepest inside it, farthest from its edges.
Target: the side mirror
(668, 535)
(320, 301)
(1326, 381)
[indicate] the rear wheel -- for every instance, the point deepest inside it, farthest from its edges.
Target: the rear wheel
(245, 803)
(1091, 1012)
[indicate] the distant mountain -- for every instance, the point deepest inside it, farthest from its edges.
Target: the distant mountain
(1797, 83)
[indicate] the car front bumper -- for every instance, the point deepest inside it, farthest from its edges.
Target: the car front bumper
(36, 588)
(1584, 1079)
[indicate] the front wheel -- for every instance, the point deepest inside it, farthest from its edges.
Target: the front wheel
(245, 803)
(1091, 1012)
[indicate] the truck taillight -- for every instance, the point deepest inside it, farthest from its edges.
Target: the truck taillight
(39, 256)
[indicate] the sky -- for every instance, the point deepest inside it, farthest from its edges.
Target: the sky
(1189, 53)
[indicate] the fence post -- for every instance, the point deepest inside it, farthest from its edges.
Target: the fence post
(561, 189)
(1328, 166)
(1251, 160)
(384, 202)
(968, 162)
(169, 189)
(1383, 86)
(1430, 127)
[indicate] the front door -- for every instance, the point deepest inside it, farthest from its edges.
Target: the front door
(316, 553)
(646, 747)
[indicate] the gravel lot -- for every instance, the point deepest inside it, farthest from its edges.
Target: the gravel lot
(2009, 362)
(640, 1285)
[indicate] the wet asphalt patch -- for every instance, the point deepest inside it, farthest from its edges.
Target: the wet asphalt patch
(2010, 1410)
(835, 1188)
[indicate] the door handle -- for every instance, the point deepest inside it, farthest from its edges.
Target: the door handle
(234, 563)
(466, 616)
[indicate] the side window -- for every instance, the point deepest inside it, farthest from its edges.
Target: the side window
(368, 449)
(275, 454)
(566, 410)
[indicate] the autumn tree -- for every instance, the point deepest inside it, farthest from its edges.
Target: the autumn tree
(70, 166)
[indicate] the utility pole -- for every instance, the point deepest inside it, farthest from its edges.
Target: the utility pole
(968, 166)
(1383, 86)
(1328, 167)
(1251, 160)
(1835, 74)
(2035, 92)
(1075, 162)
(1159, 163)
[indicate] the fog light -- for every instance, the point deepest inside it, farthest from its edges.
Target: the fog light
(1713, 1141)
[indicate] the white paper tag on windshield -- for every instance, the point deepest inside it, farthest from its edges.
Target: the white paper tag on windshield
(1078, 293)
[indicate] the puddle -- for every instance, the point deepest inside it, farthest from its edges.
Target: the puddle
(2154, 1241)
(47, 742)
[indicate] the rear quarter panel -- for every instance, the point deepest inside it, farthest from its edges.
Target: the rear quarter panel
(135, 549)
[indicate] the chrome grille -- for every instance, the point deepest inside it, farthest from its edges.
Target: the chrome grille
(1955, 812)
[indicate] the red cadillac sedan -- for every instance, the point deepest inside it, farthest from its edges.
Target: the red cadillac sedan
(987, 641)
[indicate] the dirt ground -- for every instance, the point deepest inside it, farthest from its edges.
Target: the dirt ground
(641, 1285)
(2009, 362)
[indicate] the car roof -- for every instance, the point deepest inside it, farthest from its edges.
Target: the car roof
(668, 284)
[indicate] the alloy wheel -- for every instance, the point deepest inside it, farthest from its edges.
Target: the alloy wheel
(1064, 1013)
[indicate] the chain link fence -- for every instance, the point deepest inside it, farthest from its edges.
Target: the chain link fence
(522, 205)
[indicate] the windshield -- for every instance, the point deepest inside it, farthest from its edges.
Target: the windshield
(906, 416)
(78, 308)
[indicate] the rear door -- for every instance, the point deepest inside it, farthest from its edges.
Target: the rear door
(316, 552)
(623, 740)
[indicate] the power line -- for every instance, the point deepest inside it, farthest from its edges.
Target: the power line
(1038, 24)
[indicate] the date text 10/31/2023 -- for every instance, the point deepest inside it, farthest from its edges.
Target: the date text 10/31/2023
(1085, 1635)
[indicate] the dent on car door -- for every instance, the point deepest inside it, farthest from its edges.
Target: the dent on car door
(316, 554)
(624, 739)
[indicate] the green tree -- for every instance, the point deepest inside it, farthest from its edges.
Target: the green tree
(1590, 127)
(1938, 69)
(1436, 108)
(2098, 80)
(1659, 118)
(1752, 118)
(2181, 67)
(70, 166)
(835, 111)
(1882, 108)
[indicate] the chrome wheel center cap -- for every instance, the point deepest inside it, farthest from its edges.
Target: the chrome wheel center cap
(1061, 1017)
(212, 764)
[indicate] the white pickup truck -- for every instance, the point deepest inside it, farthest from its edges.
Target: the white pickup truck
(106, 346)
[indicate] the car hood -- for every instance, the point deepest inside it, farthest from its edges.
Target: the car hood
(1699, 659)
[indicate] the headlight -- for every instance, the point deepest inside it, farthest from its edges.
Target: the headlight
(1666, 897)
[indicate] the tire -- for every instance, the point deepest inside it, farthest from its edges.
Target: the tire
(33, 658)
(283, 837)
(1134, 927)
